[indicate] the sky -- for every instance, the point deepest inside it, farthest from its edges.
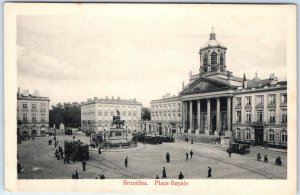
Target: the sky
(143, 52)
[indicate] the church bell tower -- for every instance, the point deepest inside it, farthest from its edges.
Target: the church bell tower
(212, 56)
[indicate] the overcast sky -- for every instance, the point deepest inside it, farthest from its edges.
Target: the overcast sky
(141, 53)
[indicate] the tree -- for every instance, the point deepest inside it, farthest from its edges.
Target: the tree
(146, 114)
(67, 113)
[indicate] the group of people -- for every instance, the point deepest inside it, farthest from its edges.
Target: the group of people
(181, 176)
(278, 160)
(75, 175)
(101, 177)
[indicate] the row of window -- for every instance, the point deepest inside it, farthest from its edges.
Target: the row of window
(33, 117)
(270, 135)
(213, 59)
(34, 106)
(108, 114)
(259, 99)
(165, 117)
(165, 107)
(259, 116)
(109, 107)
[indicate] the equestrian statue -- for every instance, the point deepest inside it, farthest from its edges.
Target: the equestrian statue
(117, 120)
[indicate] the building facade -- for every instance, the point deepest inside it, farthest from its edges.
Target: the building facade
(97, 114)
(166, 115)
(32, 114)
(215, 102)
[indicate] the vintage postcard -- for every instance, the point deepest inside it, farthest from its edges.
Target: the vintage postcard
(150, 98)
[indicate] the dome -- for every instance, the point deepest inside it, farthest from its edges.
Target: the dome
(212, 43)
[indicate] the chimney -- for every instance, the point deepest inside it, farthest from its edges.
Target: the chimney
(107, 97)
(36, 93)
(19, 91)
(89, 100)
(134, 99)
(95, 98)
(112, 97)
(244, 82)
(182, 84)
(26, 93)
(273, 79)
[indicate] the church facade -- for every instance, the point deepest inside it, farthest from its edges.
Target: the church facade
(215, 102)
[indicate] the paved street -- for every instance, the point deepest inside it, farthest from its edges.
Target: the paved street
(148, 160)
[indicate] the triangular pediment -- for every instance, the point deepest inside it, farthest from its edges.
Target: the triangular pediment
(203, 85)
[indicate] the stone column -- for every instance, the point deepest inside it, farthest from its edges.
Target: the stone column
(218, 115)
(208, 117)
(198, 116)
(191, 117)
(183, 115)
(229, 116)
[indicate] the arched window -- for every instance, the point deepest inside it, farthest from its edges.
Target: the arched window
(205, 60)
(214, 58)
(237, 133)
(247, 134)
(221, 59)
(271, 135)
(283, 136)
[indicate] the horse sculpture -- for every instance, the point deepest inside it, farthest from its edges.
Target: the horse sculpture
(117, 120)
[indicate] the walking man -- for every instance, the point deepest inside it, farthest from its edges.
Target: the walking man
(186, 156)
(191, 153)
(209, 172)
(266, 160)
(229, 152)
(83, 165)
(168, 157)
(164, 174)
(126, 161)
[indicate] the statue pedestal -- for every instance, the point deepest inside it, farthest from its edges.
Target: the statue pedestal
(189, 131)
(207, 132)
(228, 133)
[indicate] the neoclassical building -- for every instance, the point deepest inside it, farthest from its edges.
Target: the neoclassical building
(32, 113)
(166, 115)
(215, 102)
(97, 114)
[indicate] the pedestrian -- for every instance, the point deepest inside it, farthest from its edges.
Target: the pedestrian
(209, 172)
(76, 175)
(55, 144)
(73, 176)
(192, 141)
(32, 137)
(191, 153)
(180, 175)
(126, 161)
(266, 160)
(168, 157)
(99, 150)
(157, 177)
(83, 165)
(258, 157)
(278, 161)
(164, 174)
(186, 156)
(73, 137)
(96, 178)
(229, 152)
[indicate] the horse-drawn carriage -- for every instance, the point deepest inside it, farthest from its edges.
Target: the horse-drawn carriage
(239, 148)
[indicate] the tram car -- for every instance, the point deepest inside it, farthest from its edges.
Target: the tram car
(240, 148)
(76, 150)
